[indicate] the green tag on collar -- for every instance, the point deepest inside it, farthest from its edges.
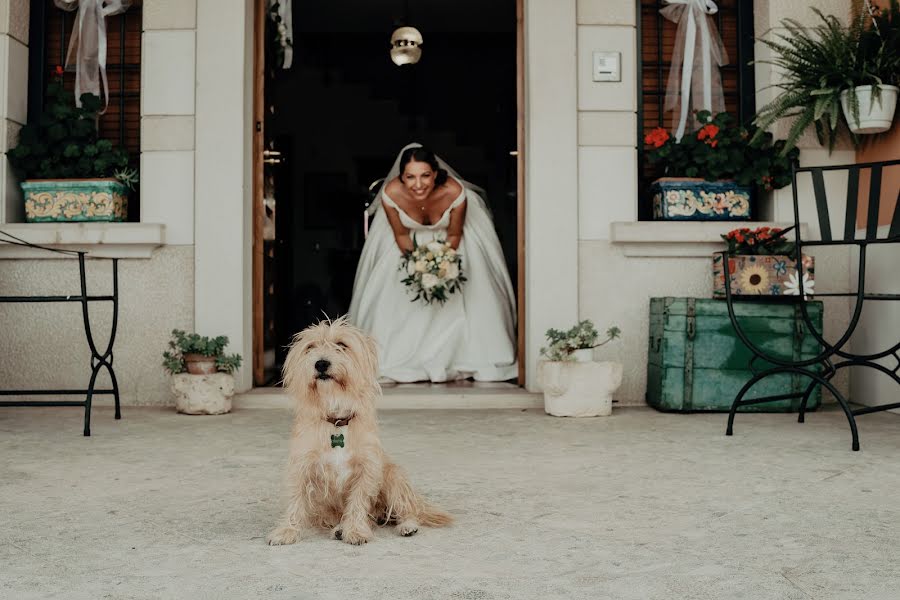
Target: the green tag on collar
(337, 441)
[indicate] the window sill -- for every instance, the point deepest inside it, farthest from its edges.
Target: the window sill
(678, 239)
(100, 240)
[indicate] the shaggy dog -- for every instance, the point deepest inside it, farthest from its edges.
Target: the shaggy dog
(338, 475)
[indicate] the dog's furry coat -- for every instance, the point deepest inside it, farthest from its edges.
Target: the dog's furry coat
(331, 371)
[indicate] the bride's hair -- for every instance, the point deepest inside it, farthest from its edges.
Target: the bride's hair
(422, 154)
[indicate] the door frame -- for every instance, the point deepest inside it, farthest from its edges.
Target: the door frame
(259, 74)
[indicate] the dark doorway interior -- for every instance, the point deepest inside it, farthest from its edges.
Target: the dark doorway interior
(341, 114)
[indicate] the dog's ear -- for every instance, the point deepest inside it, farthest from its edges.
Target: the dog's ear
(292, 371)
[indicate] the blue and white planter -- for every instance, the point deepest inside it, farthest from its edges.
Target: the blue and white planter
(694, 199)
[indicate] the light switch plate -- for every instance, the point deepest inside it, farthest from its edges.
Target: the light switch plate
(607, 66)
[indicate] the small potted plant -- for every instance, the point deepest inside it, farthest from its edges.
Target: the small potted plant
(202, 374)
(68, 172)
(761, 262)
(711, 174)
(574, 384)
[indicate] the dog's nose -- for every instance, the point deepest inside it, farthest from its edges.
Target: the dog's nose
(322, 366)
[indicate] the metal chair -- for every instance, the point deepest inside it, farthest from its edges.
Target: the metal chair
(832, 358)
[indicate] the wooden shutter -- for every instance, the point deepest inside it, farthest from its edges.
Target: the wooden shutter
(122, 121)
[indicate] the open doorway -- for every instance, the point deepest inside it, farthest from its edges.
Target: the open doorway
(333, 124)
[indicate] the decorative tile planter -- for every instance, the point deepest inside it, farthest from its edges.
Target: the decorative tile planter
(762, 275)
(692, 199)
(75, 200)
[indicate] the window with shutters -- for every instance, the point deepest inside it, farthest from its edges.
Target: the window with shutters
(656, 34)
(51, 30)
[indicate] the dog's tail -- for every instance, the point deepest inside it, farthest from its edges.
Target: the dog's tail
(429, 516)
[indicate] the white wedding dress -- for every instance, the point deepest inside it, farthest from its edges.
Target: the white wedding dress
(471, 335)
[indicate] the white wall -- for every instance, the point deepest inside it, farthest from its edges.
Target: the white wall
(14, 16)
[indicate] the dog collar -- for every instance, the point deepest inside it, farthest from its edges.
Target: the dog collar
(339, 422)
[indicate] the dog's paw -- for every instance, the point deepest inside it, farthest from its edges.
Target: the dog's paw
(356, 537)
(282, 536)
(408, 528)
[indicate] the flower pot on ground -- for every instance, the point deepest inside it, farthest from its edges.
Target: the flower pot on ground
(761, 263)
(875, 113)
(69, 173)
(202, 379)
(579, 389)
(713, 174)
(574, 385)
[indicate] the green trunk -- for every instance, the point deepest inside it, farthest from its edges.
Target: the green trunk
(697, 362)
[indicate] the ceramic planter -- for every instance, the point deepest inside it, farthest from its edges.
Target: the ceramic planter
(874, 116)
(75, 200)
(198, 364)
(762, 276)
(579, 389)
(583, 355)
(693, 199)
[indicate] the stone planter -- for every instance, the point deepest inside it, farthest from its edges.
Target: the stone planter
(75, 200)
(874, 116)
(693, 199)
(579, 389)
(203, 394)
(762, 275)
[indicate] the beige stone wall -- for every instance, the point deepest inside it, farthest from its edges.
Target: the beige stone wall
(44, 345)
(615, 288)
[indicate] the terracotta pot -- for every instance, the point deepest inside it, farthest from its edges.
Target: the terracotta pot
(197, 364)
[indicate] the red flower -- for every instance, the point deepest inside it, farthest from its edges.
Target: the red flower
(707, 131)
(657, 137)
(739, 237)
(58, 71)
(713, 143)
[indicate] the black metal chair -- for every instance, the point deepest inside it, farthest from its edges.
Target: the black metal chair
(831, 358)
(99, 360)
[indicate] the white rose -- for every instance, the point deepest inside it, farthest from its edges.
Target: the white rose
(435, 247)
(452, 271)
(421, 266)
(429, 281)
(410, 267)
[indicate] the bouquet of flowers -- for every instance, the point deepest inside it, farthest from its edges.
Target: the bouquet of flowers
(433, 271)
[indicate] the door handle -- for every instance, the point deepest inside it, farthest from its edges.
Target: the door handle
(268, 153)
(272, 161)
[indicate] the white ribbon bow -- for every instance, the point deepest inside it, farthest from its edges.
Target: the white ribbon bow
(88, 44)
(285, 28)
(690, 16)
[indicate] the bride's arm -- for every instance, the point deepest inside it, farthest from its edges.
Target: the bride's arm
(455, 229)
(401, 233)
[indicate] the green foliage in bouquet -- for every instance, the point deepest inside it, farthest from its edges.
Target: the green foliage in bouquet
(561, 344)
(191, 343)
(719, 150)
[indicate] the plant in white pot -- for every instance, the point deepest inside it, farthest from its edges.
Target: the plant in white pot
(574, 384)
(202, 379)
(832, 74)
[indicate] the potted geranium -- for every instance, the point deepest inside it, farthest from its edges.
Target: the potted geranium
(69, 173)
(829, 71)
(202, 379)
(762, 262)
(711, 173)
(574, 384)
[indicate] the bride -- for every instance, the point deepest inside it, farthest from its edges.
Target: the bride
(473, 333)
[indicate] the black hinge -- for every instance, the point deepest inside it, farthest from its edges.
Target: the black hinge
(689, 354)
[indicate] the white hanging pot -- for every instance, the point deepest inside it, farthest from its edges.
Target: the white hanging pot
(874, 116)
(583, 355)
